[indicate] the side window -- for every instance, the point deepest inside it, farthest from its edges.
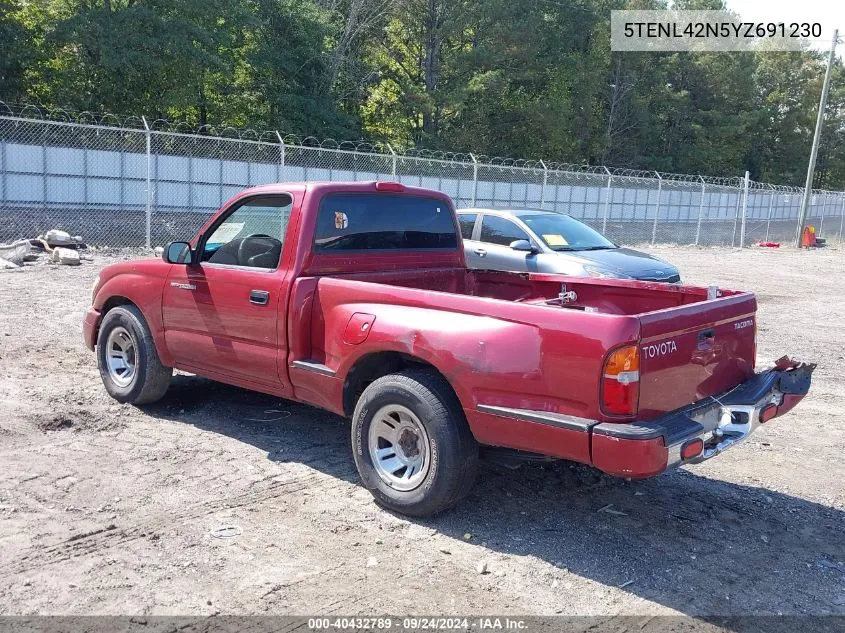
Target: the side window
(250, 235)
(496, 230)
(467, 222)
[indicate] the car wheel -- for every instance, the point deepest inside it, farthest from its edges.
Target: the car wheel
(412, 444)
(127, 358)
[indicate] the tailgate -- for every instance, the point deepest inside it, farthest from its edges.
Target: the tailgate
(694, 351)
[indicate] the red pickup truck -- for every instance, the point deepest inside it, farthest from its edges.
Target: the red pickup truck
(354, 297)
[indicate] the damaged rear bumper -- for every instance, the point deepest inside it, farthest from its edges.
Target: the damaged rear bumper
(701, 430)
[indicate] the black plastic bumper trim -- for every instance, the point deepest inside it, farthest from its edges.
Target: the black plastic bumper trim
(672, 429)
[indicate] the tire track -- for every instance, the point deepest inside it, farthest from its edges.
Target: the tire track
(147, 527)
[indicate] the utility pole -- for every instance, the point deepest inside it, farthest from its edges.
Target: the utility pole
(811, 168)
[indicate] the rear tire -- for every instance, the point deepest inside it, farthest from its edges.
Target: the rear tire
(127, 358)
(412, 444)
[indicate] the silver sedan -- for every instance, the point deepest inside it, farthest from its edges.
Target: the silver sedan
(530, 240)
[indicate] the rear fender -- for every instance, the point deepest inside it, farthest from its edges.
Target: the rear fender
(454, 344)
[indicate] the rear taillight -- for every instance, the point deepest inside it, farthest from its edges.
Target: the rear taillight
(620, 388)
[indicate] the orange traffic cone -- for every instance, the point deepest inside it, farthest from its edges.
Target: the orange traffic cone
(808, 239)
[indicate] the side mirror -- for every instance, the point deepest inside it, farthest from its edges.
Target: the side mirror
(178, 253)
(523, 245)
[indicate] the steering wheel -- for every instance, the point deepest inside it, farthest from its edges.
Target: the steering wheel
(243, 247)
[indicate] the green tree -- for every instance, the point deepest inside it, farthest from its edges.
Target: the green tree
(17, 50)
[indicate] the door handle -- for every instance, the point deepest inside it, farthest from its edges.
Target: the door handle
(259, 297)
(480, 252)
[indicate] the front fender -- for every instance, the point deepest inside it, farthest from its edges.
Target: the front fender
(145, 292)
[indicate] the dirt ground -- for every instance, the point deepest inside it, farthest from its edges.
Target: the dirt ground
(217, 500)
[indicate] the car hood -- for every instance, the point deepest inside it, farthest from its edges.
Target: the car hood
(627, 261)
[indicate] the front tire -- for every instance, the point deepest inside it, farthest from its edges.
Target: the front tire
(412, 444)
(127, 358)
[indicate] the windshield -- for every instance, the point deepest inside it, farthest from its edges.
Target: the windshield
(563, 233)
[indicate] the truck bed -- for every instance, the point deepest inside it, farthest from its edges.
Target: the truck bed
(528, 352)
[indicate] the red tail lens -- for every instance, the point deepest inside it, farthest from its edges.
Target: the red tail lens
(768, 412)
(390, 186)
(621, 381)
(691, 449)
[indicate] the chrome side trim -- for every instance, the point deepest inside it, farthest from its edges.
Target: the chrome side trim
(317, 368)
(558, 420)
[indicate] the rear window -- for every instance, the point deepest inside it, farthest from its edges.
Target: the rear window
(355, 222)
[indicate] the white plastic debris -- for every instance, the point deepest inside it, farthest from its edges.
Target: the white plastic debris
(16, 252)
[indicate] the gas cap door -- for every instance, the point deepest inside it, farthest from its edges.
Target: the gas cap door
(358, 328)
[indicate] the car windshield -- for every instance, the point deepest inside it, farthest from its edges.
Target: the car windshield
(563, 233)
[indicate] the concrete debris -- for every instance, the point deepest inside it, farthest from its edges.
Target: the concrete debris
(66, 257)
(60, 246)
(56, 237)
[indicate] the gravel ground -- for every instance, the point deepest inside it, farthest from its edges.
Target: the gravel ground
(112, 509)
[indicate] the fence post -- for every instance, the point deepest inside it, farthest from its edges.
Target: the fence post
(824, 206)
(281, 154)
(841, 217)
(700, 211)
(736, 217)
(85, 174)
(769, 215)
(545, 182)
(122, 176)
(744, 212)
(3, 176)
(393, 154)
(474, 178)
(149, 181)
(606, 200)
(657, 209)
(44, 196)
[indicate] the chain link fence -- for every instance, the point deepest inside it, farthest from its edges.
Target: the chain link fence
(137, 183)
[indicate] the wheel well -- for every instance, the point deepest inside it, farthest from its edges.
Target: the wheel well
(373, 366)
(111, 302)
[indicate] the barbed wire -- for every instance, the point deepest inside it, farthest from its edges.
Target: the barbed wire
(576, 171)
